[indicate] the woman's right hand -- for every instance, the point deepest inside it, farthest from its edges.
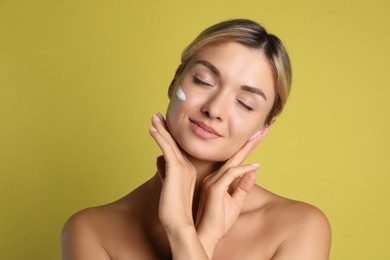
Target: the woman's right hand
(178, 177)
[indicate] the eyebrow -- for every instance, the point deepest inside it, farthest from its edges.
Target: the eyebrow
(214, 70)
(254, 90)
(210, 66)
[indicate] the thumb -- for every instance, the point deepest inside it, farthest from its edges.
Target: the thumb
(243, 187)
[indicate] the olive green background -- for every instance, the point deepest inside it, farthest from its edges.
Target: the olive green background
(79, 81)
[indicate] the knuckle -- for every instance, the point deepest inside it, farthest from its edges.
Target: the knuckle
(206, 183)
(213, 188)
(230, 171)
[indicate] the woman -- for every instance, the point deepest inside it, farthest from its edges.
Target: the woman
(203, 203)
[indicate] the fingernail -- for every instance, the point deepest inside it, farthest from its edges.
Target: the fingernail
(156, 117)
(255, 164)
(152, 129)
(160, 116)
(254, 136)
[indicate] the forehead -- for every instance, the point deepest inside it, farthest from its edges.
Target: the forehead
(238, 65)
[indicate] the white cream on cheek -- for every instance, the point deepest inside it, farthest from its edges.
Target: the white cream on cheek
(180, 94)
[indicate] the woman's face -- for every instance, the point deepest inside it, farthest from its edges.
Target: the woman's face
(229, 91)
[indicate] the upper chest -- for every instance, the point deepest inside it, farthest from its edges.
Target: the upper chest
(249, 238)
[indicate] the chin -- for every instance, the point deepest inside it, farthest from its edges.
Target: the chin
(210, 153)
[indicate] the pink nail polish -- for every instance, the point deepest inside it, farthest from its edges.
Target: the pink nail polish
(254, 136)
(160, 116)
(157, 118)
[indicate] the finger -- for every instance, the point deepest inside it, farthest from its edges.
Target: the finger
(161, 117)
(238, 158)
(159, 125)
(243, 188)
(165, 136)
(222, 184)
(165, 147)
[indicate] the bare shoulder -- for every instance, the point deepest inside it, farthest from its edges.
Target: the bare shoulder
(112, 231)
(296, 214)
(80, 238)
(88, 234)
(302, 229)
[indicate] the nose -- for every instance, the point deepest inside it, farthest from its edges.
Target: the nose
(216, 106)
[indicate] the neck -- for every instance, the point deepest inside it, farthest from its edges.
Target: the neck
(203, 168)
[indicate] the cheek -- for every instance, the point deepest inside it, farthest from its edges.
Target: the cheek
(177, 112)
(172, 111)
(242, 127)
(172, 115)
(239, 136)
(180, 94)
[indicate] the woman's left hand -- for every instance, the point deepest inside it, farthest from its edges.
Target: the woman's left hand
(220, 207)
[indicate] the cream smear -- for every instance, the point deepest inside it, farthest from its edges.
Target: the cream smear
(180, 94)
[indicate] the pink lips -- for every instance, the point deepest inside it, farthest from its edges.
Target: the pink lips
(203, 130)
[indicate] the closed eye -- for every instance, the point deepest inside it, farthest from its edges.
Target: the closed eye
(246, 106)
(200, 82)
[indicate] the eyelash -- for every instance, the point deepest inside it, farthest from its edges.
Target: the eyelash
(201, 82)
(249, 108)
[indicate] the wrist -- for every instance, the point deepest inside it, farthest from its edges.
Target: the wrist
(184, 242)
(179, 231)
(208, 241)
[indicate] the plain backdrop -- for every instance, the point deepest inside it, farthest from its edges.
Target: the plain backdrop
(80, 80)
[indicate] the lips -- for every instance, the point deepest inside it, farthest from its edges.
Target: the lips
(203, 130)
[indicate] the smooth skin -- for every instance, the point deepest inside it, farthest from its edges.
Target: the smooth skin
(203, 203)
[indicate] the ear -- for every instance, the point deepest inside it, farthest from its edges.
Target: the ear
(266, 129)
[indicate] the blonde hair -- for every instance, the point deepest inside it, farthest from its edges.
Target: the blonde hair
(252, 35)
